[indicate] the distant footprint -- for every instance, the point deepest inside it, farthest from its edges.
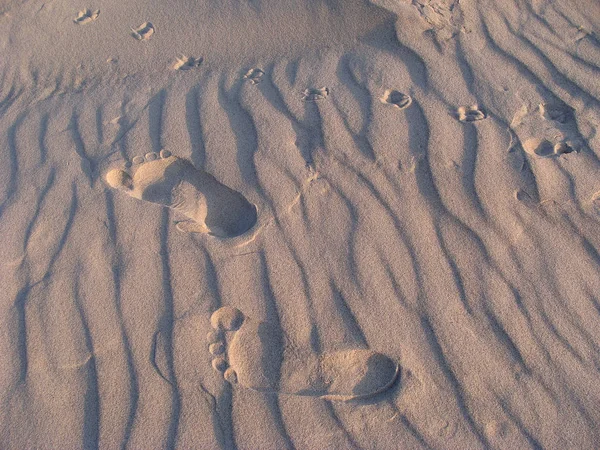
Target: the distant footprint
(174, 182)
(143, 32)
(470, 113)
(548, 131)
(596, 202)
(255, 355)
(187, 63)
(86, 16)
(315, 94)
(396, 99)
(254, 75)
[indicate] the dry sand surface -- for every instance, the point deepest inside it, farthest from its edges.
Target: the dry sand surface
(286, 224)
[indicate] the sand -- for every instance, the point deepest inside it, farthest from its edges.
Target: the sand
(319, 224)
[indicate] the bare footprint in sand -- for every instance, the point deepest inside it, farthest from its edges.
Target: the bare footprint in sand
(86, 16)
(187, 62)
(396, 99)
(315, 94)
(548, 131)
(254, 75)
(143, 32)
(255, 355)
(470, 113)
(174, 182)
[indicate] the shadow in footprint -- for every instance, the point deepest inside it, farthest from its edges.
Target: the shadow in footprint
(143, 32)
(212, 207)
(396, 98)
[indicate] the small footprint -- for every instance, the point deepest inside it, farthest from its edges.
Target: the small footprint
(212, 207)
(254, 75)
(256, 356)
(86, 16)
(396, 99)
(143, 32)
(470, 113)
(315, 94)
(187, 63)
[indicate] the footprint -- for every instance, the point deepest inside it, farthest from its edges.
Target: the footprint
(86, 16)
(187, 62)
(143, 32)
(396, 98)
(314, 94)
(254, 75)
(211, 206)
(546, 149)
(470, 113)
(547, 131)
(255, 355)
(539, 147)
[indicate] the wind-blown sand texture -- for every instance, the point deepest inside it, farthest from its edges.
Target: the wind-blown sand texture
(424, 176)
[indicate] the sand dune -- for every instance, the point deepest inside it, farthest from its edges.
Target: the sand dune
(395, 201)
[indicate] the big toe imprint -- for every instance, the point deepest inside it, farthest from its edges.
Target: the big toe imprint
(257, 355)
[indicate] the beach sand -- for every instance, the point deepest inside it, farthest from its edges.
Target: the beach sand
(285, 224)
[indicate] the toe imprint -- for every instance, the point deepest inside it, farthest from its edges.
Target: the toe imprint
(151, 156)
(137, 160)
(143, 32)
(220, 364)
(227, 318)
(218, 348)
(165, 153)
(214, 336)
(546, 149)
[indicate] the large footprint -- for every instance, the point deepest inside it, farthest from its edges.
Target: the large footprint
(255, 355)
(174, 182)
